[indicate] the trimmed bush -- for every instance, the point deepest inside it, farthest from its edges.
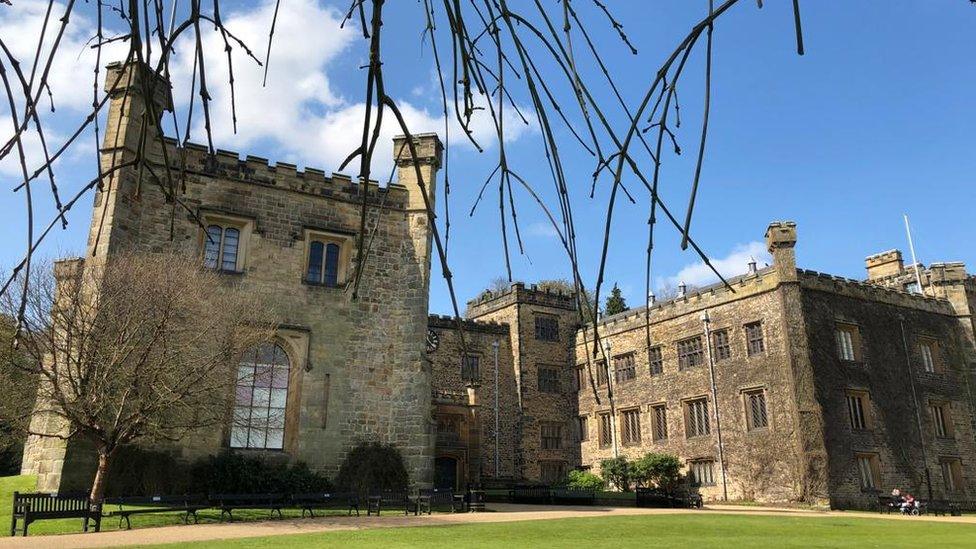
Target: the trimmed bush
(372, 467)
(616, 472)
(657, 470)
(236, 473)
(584, 480)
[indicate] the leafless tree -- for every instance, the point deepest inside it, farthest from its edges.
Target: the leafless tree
(142, 348)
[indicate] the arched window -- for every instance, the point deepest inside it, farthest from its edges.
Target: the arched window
(323, 263)
(262, 391)
(220, 247)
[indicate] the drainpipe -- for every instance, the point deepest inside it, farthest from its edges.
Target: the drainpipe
(706, 324)
(918, 415)
(494, 346)
(613, 408)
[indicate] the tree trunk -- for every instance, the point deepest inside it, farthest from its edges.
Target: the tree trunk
(98, 485)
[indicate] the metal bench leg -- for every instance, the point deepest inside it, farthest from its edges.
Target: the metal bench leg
(13, 524)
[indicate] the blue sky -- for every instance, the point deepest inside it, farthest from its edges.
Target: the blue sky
(876, 120)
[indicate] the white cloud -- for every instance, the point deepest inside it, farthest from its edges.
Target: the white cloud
(298, 111)
(543, 229)
(735, 263)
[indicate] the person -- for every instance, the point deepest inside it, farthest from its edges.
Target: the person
(896, 499)
(907, 503)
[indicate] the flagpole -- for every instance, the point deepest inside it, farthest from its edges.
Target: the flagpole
(911, 246)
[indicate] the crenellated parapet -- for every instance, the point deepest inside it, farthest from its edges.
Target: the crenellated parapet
(517, 292)
(448, 322)
(231, 165)
(892, 295)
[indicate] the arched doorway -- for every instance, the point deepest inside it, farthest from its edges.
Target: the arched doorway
(445, 473)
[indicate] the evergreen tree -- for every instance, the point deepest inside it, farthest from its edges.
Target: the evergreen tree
(616, 302)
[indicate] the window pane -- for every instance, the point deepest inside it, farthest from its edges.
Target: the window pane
(279, 377)
(238, 437)
(229, 256)
(211, 246)
(256, 438)
(276, 438)
(315, 253)
(331, 265)
(278, 398)
(262, 397)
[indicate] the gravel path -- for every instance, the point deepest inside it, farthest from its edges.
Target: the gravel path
(500, 513)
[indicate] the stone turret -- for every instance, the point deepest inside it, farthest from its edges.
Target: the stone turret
(429, 151)
(780, 240)
(884, 264)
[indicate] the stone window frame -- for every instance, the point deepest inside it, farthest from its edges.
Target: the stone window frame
(934, 365)
(721, 350)
(655, 357)
(630, 426)
(755, 346)
(602, 373)
(952, 474)
(295, 342)
(546, 333)
(556, 473)
(583, 428)
(853, 332)
(746, 394)
(696, 420)
(604, 435)
(868, 467)
(466, 367)
(628, 372)
(690, 357)
(940, 414)
(555, 388)
(860, 411)
(244, 226)
(696, 468)
(656, 434)
(346, 243)
(550, 435)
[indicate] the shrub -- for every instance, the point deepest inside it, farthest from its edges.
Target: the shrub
(584, 480)
(234, 472)
(372, 466)
(616, 472)
(654, 469)
(141, 472)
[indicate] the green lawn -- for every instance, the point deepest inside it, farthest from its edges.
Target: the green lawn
(691, 530)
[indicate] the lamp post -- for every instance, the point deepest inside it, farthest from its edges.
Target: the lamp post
(706, 324)
(494, 346)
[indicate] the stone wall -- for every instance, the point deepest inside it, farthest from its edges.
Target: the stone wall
(518, 307)
(476, 443)
(888, 368)
(760, 464)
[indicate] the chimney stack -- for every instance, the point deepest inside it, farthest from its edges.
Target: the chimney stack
(752, 266)
(682, 289)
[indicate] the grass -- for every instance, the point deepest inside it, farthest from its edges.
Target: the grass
(697, 530)
(26, 483)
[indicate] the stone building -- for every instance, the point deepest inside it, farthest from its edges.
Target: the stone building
(788, 384)
(356, 368)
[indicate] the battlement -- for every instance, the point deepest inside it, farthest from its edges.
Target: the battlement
(892, 295)
(741, 286)
(196, 158)
(448, 322)
(884, 264)
(517, 292)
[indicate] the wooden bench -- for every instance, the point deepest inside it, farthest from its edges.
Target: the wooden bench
(188, 505)
(309, 502)
(227, 503)
(32, 507)
(533, 495)
(886, 504)
(565, 496)
(392, 500)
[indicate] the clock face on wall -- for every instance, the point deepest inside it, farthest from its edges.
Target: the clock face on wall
(433, 341)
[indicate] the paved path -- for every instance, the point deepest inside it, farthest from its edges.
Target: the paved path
(501, 513)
